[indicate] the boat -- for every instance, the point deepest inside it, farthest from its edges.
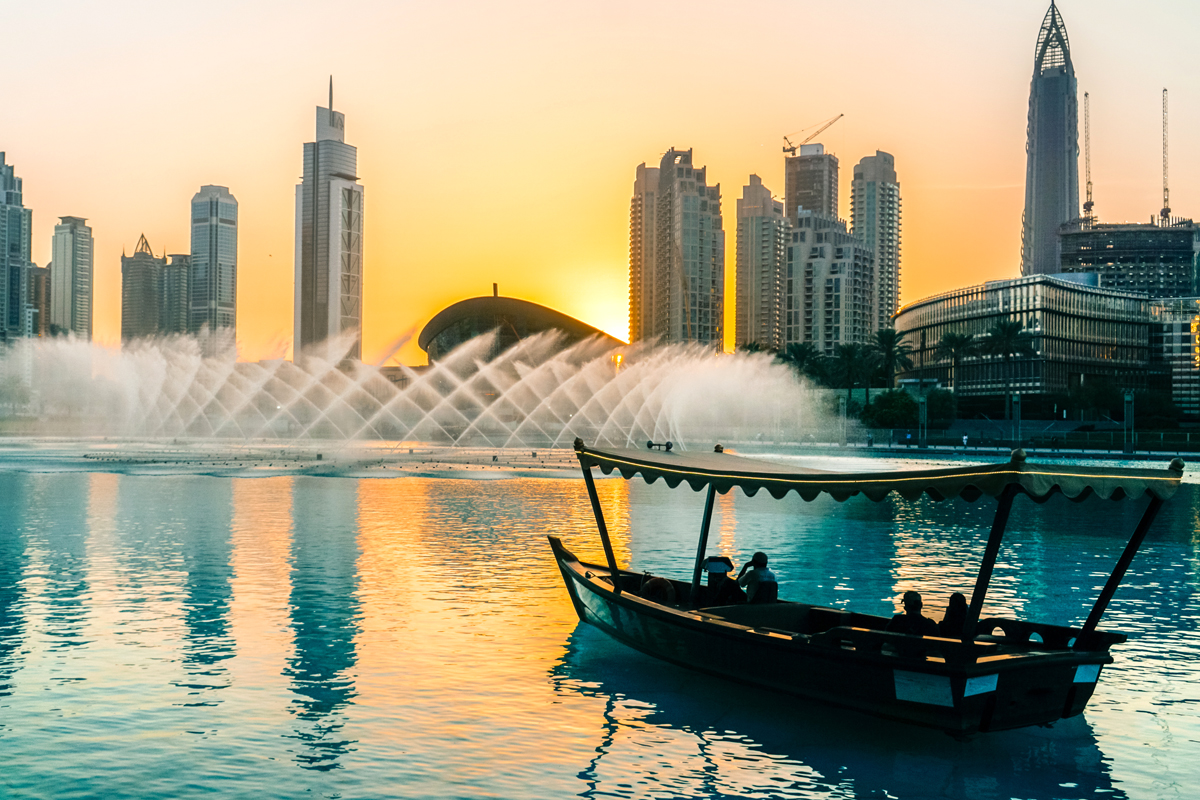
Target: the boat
(1000, 673)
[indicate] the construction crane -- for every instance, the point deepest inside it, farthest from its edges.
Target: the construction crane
(792, 148)
(1087, 157)
(1165, 214)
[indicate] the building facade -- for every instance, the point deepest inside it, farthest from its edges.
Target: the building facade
(141, 292)
(677, 288)
(1079, 333)
(212, 276)
(641, 252)
(1154, 259)
(810, 181)
(39, 300)
(1175, 345)
(329, 242)
(829, 288)
(173, 313)
(16, 230)
(1052, 149)
(875, 220)
(71, 278)
(762, 234)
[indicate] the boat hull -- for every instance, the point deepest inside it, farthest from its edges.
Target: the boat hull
(931, 682)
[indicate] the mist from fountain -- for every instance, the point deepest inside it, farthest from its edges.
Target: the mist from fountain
(539, 393)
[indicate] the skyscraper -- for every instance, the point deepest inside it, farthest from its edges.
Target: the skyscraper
(141, 292)
(71, 278)
(830, 290)
(212, 276)
(39, 299)
(811, 182)
(329, 246)
(875, 220)
(173, 313)
(1052, 149)
(678, 294)
(761, 241)
(641, 252)
(16, 226)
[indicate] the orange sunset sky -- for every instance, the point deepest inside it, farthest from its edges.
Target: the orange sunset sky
(498, 141)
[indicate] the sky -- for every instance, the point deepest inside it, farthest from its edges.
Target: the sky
(497, 142)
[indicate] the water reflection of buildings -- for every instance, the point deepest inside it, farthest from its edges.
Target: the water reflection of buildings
(207, 591)
(324, 616)
(671, 732)
(14, 505)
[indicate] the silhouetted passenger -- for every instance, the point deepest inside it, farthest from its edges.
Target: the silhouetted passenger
(952, 624)
(911, 620)
(659, 590)
(722, 590)
(760, 583)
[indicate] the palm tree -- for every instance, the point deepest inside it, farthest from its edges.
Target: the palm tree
(956, 347)
(805, 358)
(1008, 338)
(892, 353)
(850, 364)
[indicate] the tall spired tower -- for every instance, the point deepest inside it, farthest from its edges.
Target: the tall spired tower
(1052, 172)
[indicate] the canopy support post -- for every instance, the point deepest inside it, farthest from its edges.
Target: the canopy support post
(702, 548)
(999, 523)
(1118, 573)
(608, 551)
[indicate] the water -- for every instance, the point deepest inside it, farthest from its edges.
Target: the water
(171, 636)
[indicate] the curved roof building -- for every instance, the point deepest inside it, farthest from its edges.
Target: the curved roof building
(1052, 149)
(511, 318)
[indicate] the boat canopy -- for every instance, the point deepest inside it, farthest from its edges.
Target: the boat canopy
(723, 471)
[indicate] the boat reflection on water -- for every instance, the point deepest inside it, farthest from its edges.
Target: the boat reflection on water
(667, 731)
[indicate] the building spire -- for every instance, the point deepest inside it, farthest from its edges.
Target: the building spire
(143, 246)
(1053, 49)
(331, 93)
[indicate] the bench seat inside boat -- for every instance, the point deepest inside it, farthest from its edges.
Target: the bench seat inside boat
(794, 617)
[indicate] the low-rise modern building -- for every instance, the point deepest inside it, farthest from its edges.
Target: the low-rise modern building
(511, 318)
(829, 291)
(1151, 258)
(1175, 344)
(1079, 333)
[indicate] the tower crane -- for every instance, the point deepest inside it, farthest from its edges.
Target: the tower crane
(1087, 157)
(792, 148)
(1165, 214)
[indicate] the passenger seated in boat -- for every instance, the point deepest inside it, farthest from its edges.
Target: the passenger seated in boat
(911, 620)
(722, 590)
(659, 590)
(955, 620)
(760, 583)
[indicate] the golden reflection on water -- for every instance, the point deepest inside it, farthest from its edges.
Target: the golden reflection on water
(260, 542)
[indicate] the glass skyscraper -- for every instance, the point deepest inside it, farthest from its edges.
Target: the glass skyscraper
(212, 276)
(1052, 148)
(16, 225)
(329, 243)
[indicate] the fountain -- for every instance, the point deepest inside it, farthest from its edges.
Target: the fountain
(538, 393)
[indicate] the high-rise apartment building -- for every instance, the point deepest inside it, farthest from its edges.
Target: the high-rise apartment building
(39, 300)
(810, 181)
(141, 292)
(762, 234)
(173, 311)
(875, 220)
(16, 227)
(678, 294)
(1052, 149)
(641, 252)
(212, 276)
(829, 290)
(329, 241)
(71, 275)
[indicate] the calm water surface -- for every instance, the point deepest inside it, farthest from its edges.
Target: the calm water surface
(178, 636)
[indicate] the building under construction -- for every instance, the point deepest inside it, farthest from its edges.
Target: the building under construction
(1156, 259)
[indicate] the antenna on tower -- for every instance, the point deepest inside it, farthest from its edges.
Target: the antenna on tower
(1165, 214)
(331, 93)
(1087, 157)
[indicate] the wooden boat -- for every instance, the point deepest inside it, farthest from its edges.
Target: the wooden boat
(1000, 673)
